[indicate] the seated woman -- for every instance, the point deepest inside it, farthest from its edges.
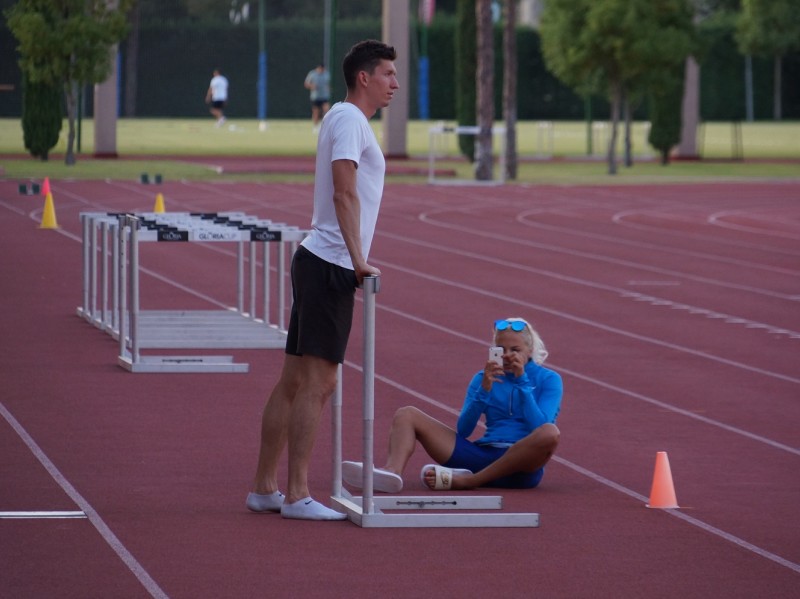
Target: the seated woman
(520, 401)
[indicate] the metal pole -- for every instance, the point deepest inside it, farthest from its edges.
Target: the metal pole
(326, 37)
(253, 280)
(336, 434)
(282, 285)
(94, 271)
(330, 44)
(262, 65)
(587, 103)
(748, 87)
(265, 290)
(123, 285)
(86, 258)
(240, 277)
(134, 273)
(371, 287)
(115, 236)
(104, 278)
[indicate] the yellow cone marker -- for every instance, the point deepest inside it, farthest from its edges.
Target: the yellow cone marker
(49, 214)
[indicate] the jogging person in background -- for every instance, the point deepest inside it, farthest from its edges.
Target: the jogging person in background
(217, 96)
(326, 269)
(318, 82)
(520, 401)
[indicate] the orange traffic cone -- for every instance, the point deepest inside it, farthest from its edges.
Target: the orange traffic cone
(49, 214)
(46, 186)
(662, 493)
(159, 207)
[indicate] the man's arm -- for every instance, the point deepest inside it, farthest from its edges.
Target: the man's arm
(348, 213)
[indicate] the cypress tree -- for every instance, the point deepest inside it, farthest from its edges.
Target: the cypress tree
(42, 116)
(665, 114)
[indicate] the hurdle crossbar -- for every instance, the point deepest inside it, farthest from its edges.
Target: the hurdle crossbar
(369, 511)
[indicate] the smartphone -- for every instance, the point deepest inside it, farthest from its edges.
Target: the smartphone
(496, 355)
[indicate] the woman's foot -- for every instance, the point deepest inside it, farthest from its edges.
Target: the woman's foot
(440, 478)
(383, 481)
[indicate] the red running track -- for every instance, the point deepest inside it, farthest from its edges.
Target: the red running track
(671, 312)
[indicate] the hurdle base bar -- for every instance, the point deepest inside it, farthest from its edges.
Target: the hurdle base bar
(352, 506)
(99, 318)
(185, 364)
(206, 329)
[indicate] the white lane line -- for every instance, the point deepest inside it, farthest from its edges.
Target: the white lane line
(428, 218)
(40, 515)
(108, 535)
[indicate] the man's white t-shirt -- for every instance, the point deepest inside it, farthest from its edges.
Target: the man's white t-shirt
(345, 135)
(219, 88)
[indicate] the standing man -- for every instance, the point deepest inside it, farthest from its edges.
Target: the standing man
(326, 269)
(318, 81)
(217, 96)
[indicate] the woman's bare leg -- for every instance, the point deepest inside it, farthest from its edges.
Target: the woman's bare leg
(410, 425)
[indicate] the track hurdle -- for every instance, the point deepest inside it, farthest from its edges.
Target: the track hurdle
(436, 136)
(116, 237)
(545, 139)
(369, 511)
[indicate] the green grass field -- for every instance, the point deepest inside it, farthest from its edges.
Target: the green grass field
(553, 152)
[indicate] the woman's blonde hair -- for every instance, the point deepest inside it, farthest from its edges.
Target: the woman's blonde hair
(538, 350)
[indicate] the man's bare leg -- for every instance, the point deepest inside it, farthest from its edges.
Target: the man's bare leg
(275, 426)
(317, 383)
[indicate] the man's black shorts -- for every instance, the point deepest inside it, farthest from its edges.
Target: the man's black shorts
(322, 308)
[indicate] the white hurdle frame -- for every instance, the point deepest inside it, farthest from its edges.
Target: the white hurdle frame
(237, 326)
(367, 510)
(438, 130)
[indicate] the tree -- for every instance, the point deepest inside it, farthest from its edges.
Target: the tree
(770, 28)
(465, 41)
(621, 43)
(42, 116)
(67, 43)
(484, 82)
(510, 87)
(690, 110)
(665, 113)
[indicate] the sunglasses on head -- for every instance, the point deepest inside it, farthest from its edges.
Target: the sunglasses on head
(514, 325)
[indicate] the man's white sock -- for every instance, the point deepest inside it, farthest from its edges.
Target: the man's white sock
(265, 503)
(308, 509)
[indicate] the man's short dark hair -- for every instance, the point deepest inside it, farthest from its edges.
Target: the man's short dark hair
(365, 56)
